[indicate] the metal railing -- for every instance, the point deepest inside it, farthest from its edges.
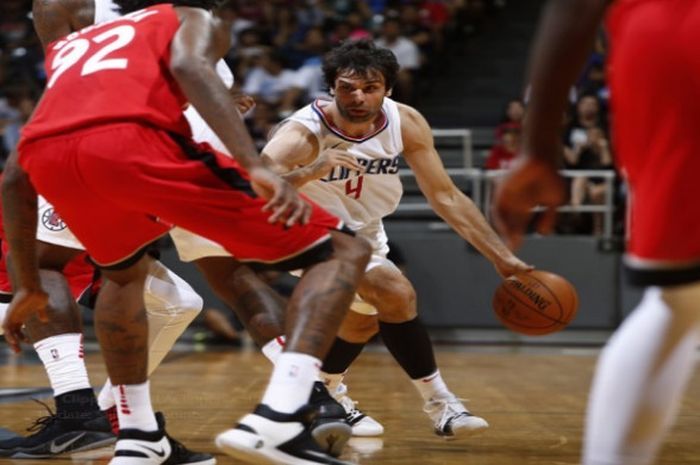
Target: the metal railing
(482, 187)
(466, 138)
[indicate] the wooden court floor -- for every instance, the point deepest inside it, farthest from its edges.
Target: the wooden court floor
(533, 401)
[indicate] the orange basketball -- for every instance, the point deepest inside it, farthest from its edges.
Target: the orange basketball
(535, 302)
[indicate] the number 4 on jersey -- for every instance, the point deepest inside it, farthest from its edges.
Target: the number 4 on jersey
(354, 191)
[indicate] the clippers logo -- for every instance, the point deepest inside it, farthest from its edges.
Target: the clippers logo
(52, 221)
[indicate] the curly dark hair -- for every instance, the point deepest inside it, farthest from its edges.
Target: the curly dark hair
(360, 57)
(127, 6)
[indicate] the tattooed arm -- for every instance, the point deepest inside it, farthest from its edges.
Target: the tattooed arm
(19, 206)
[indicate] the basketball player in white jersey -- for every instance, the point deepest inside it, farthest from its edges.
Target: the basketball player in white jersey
(344, 154)
(171, 303)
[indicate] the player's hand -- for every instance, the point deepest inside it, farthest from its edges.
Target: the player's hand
(511, 265)
(284, 201)
(329, 159)
(24, 304)
(530, 183)
(244, 102)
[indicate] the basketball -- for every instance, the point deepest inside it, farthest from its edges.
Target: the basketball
(535, 302)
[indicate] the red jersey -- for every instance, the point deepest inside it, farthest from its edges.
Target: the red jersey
(116, 71)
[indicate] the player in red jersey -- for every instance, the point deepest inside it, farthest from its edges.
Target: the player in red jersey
(653, 68)
(140, 162)
(170, 302)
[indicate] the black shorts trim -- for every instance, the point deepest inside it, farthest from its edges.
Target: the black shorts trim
(662, 277)
(230, 176)
(124, 264)
(5, 298)
(319, 253)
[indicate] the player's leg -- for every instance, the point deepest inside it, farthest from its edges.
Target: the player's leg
(171, 305)
(261, 309)
(314, 314)
(234, 219)
(641, 376)
(256, 304)
(122, 329)
(358, 327)
(78, 424)
(407, 339)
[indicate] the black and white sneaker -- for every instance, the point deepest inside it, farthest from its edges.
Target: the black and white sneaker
(53, 435)
(452, 420)
(330, 429)
(181, 455)
(136, 447)
(362, 424)
(273, 438)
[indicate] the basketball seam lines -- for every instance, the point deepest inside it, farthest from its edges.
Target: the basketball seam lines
(527, 304)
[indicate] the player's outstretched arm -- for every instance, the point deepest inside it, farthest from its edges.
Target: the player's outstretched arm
(19, 206)
(562, 44)
(447, 200)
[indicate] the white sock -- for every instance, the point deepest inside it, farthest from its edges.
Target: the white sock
(291, 382)
(62, 357)
(641, 376)
(273, 349)
(106, 397)
(171, 305)
(432, 387)
(134, 409)
(332, 381)
(3, 312)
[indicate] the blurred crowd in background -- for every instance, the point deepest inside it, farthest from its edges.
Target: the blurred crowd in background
(276, 50)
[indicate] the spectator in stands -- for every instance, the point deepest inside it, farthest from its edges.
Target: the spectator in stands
(308, 82)
(415, 27)
(504, 152)
(437, 16)
(310, 14)
(229, 12)
(247, 55)
(339, 9)
(269, 80)
(18, 106)
(407, 54)
(286, 35)
(576, 139)
(513, 113)
(594, 155)
(262, 122)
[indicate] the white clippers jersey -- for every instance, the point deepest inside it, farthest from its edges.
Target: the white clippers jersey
(358, 198)
(106, 10)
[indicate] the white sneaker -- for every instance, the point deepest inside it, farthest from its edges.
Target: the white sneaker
(136, 447)
(362, 424)
(267, 437)
(452, 419)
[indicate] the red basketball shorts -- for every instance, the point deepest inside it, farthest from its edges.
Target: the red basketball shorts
(654, 71)
(121, 186)
(78, 272)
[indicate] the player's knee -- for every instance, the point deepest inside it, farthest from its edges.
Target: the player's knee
(358, 328)
(165, 299)
(191, 303)
(354, 249)
(396, 303)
